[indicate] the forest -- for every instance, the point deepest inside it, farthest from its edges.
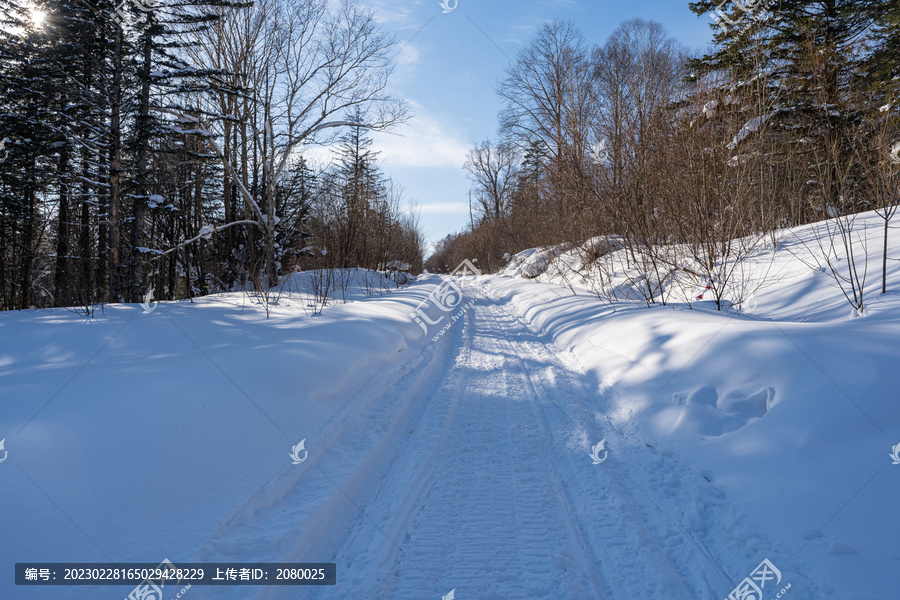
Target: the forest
(688, 160)
(161, 146)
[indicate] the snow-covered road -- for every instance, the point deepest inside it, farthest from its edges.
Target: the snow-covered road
(470, 471)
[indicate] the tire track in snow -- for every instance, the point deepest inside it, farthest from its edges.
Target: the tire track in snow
(617, 529)
(489, 481)
(377, 542)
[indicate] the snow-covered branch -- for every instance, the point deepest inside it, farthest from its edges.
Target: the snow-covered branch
(207, 232)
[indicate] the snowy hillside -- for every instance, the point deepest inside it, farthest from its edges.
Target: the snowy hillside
(468, 464)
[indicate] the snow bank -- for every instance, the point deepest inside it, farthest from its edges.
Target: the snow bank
(790, 407)
(135, 436)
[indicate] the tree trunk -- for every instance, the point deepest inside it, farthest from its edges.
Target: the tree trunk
(884, 258)
(62, 295)
(115, 152)
(25, 282)
(143, 135)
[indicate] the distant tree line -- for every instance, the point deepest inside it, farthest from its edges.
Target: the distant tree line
(160, 144)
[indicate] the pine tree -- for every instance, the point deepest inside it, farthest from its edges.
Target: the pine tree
(362, 190)
(78, 62)
(803, 60)
(294, 196)
(27, 117)
(884, 62)
(165, 106)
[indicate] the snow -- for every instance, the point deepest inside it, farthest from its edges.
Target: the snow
(396, 265)
(467, 464)
(751, 126)
(789, 409)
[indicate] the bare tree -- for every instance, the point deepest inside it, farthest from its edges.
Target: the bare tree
(303, 65)
(715, 191)
(493, 169)
(547, 105)
(835, 192)
(638, 75)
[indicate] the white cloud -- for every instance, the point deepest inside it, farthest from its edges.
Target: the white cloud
(408, 55)
(389, 13)
(422, 142)
(318, 156)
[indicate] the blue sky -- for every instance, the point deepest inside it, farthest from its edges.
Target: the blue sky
(448, 66)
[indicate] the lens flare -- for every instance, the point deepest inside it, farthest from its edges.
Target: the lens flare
(37, 17)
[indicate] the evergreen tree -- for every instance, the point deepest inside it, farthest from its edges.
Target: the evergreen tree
(112, 183)
(27, 123)
(884, 62)
(803, 60)
(362, 191)
(165, 108)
